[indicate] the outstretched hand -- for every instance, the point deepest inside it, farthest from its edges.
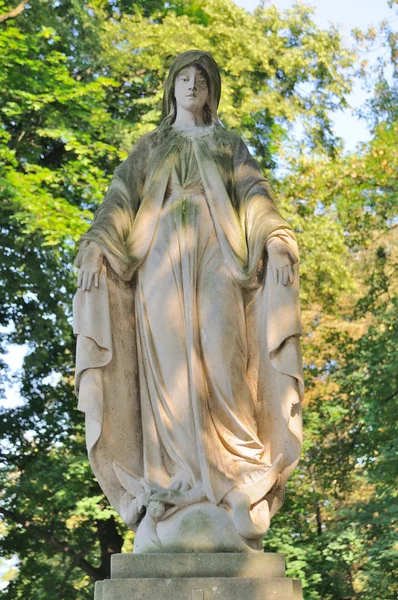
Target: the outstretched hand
(91, 267)
(281, 259)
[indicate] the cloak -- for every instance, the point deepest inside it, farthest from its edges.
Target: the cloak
(245, 218)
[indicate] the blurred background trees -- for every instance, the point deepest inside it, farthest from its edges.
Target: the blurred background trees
(81, 81)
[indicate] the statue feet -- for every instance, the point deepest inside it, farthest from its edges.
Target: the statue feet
(181, 518)
(181, 482)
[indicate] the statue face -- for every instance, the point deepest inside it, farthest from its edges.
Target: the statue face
(190, 90)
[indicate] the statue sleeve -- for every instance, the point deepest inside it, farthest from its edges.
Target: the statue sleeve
(258, 212)
(275, 369)
(115, 216)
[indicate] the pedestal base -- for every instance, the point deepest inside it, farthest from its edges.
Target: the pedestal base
(207, 576)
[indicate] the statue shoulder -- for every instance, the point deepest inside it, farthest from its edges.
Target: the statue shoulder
(148, 141)
(139, 155)
(230, 138)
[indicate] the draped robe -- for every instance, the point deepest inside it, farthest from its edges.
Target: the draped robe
(188, 358)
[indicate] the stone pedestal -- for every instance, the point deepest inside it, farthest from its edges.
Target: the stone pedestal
(194, 576)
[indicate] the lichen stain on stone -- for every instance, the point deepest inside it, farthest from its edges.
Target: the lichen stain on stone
(196, 522)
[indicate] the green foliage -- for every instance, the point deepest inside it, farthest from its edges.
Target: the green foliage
(82, 82)
(344, 544)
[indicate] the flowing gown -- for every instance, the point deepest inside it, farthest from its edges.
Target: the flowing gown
(188, 366)
(196, 402)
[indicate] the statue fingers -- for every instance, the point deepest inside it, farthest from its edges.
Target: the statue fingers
(96, 280)
(80, 278)
(285, 276)
(291, 274)
(84, 280)
(272, 271)
(89, 280)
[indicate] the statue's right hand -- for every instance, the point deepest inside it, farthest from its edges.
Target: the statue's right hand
(91, 267)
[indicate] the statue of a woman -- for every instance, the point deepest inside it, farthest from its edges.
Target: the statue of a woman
(188, 325)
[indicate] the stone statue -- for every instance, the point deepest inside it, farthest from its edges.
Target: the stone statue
(187, 321)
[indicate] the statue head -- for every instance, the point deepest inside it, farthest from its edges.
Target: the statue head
(198, 68)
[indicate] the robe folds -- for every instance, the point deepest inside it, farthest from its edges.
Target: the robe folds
(188, 358)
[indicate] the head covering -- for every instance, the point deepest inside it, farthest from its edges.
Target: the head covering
(184, 60)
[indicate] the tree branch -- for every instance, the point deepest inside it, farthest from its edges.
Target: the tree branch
(14, 13)
(318, 516)
(59, 546)
(391, 396)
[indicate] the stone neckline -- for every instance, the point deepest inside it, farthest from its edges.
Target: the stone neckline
(197, 132)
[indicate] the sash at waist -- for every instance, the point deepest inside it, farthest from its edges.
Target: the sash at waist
(180, 190)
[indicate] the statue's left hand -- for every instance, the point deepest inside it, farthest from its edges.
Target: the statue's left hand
(91, 267)
(281, 259)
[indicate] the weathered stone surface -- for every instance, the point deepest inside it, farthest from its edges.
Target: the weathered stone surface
(256, 565)
(202, 527)
(297, 590)
(187, 588)
(198, 576)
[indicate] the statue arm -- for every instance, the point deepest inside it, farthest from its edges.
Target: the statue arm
(261, 220)
(113, 220)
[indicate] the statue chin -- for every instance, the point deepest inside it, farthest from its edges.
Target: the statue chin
(200, 527)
